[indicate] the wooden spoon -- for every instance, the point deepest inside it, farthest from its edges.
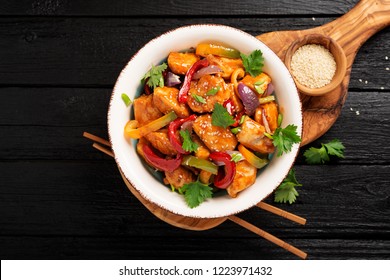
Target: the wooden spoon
(350, 31)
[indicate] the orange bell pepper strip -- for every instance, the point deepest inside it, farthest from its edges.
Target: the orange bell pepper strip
(136, 133)
(205, 49)
(252, 158)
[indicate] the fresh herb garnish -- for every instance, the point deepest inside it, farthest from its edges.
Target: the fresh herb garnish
(253, 63)
(286, 191)
(213, 91)
(236, 157)
(321, 155)
(155, 75)
(195, 193)
(188, 145)
(221, 117)
(198, 98)
(126, 99)
(284, 138)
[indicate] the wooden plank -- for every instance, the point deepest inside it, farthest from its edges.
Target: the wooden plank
(72, 51)
(47, 123)
(89, 199)
(178, 247)
(173, 8)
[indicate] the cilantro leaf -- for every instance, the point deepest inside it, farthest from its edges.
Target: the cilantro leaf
(221, 117)
(253, 63)
(316, 156)
(321, 155)
(198, 98)
(195, 193)
(213, 91)
(284, 138)
(335, 148)
(286, 191)
(155, 75)
(188, 145)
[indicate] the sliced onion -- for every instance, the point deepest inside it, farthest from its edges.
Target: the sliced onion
(211, 69)
(231, 153)
(172, 79)
(249, 98)
(265, 122)
(187, 126)
(270, 90)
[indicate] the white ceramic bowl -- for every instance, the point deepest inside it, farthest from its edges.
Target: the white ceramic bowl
(153, 53)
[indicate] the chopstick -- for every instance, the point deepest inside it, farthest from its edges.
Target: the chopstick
(103, 149)
(281, 213)
(96, 139)
(268, 236)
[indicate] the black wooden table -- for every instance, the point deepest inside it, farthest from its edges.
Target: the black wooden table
(60, 198)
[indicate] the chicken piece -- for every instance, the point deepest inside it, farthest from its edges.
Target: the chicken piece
(261, 81)
(252, 136)
(202, 151)
(144, 110)
(227, 65)
(271, 112)
(202, 86)
(165, 99)
(244, 178)
(179, 177)
(159, 140)
(216, 138)
(179, 63)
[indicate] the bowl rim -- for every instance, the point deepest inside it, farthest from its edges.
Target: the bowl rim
(189, 214)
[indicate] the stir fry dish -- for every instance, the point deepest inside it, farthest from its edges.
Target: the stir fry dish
(209, 120)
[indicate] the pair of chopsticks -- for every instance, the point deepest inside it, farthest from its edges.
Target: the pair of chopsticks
(105, 147)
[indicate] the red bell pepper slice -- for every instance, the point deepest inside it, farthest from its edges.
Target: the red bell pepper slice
(183, 93)
(173, 136)
(161, 163)
(225, 176)
(228, 104)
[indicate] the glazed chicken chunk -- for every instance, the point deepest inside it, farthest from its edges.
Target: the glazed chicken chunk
(216, 138)
(244, 178)
(211, 89)
(165, 99)
(252, 136)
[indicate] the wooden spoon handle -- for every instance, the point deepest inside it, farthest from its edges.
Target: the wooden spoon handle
(355, 27)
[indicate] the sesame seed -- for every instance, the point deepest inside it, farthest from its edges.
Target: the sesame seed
(360, 80)
(387, 68)
(386, 57)
(366, 82)
(351, 109)
(382, 88)
(357, 113)
(313, 65)
(313, 18)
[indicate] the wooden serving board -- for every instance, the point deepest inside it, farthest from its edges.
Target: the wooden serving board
(319, 113)
(350, 31)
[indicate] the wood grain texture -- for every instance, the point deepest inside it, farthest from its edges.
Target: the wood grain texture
(172, 8)
(346, 203)
(60, 198)
(73, 52)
